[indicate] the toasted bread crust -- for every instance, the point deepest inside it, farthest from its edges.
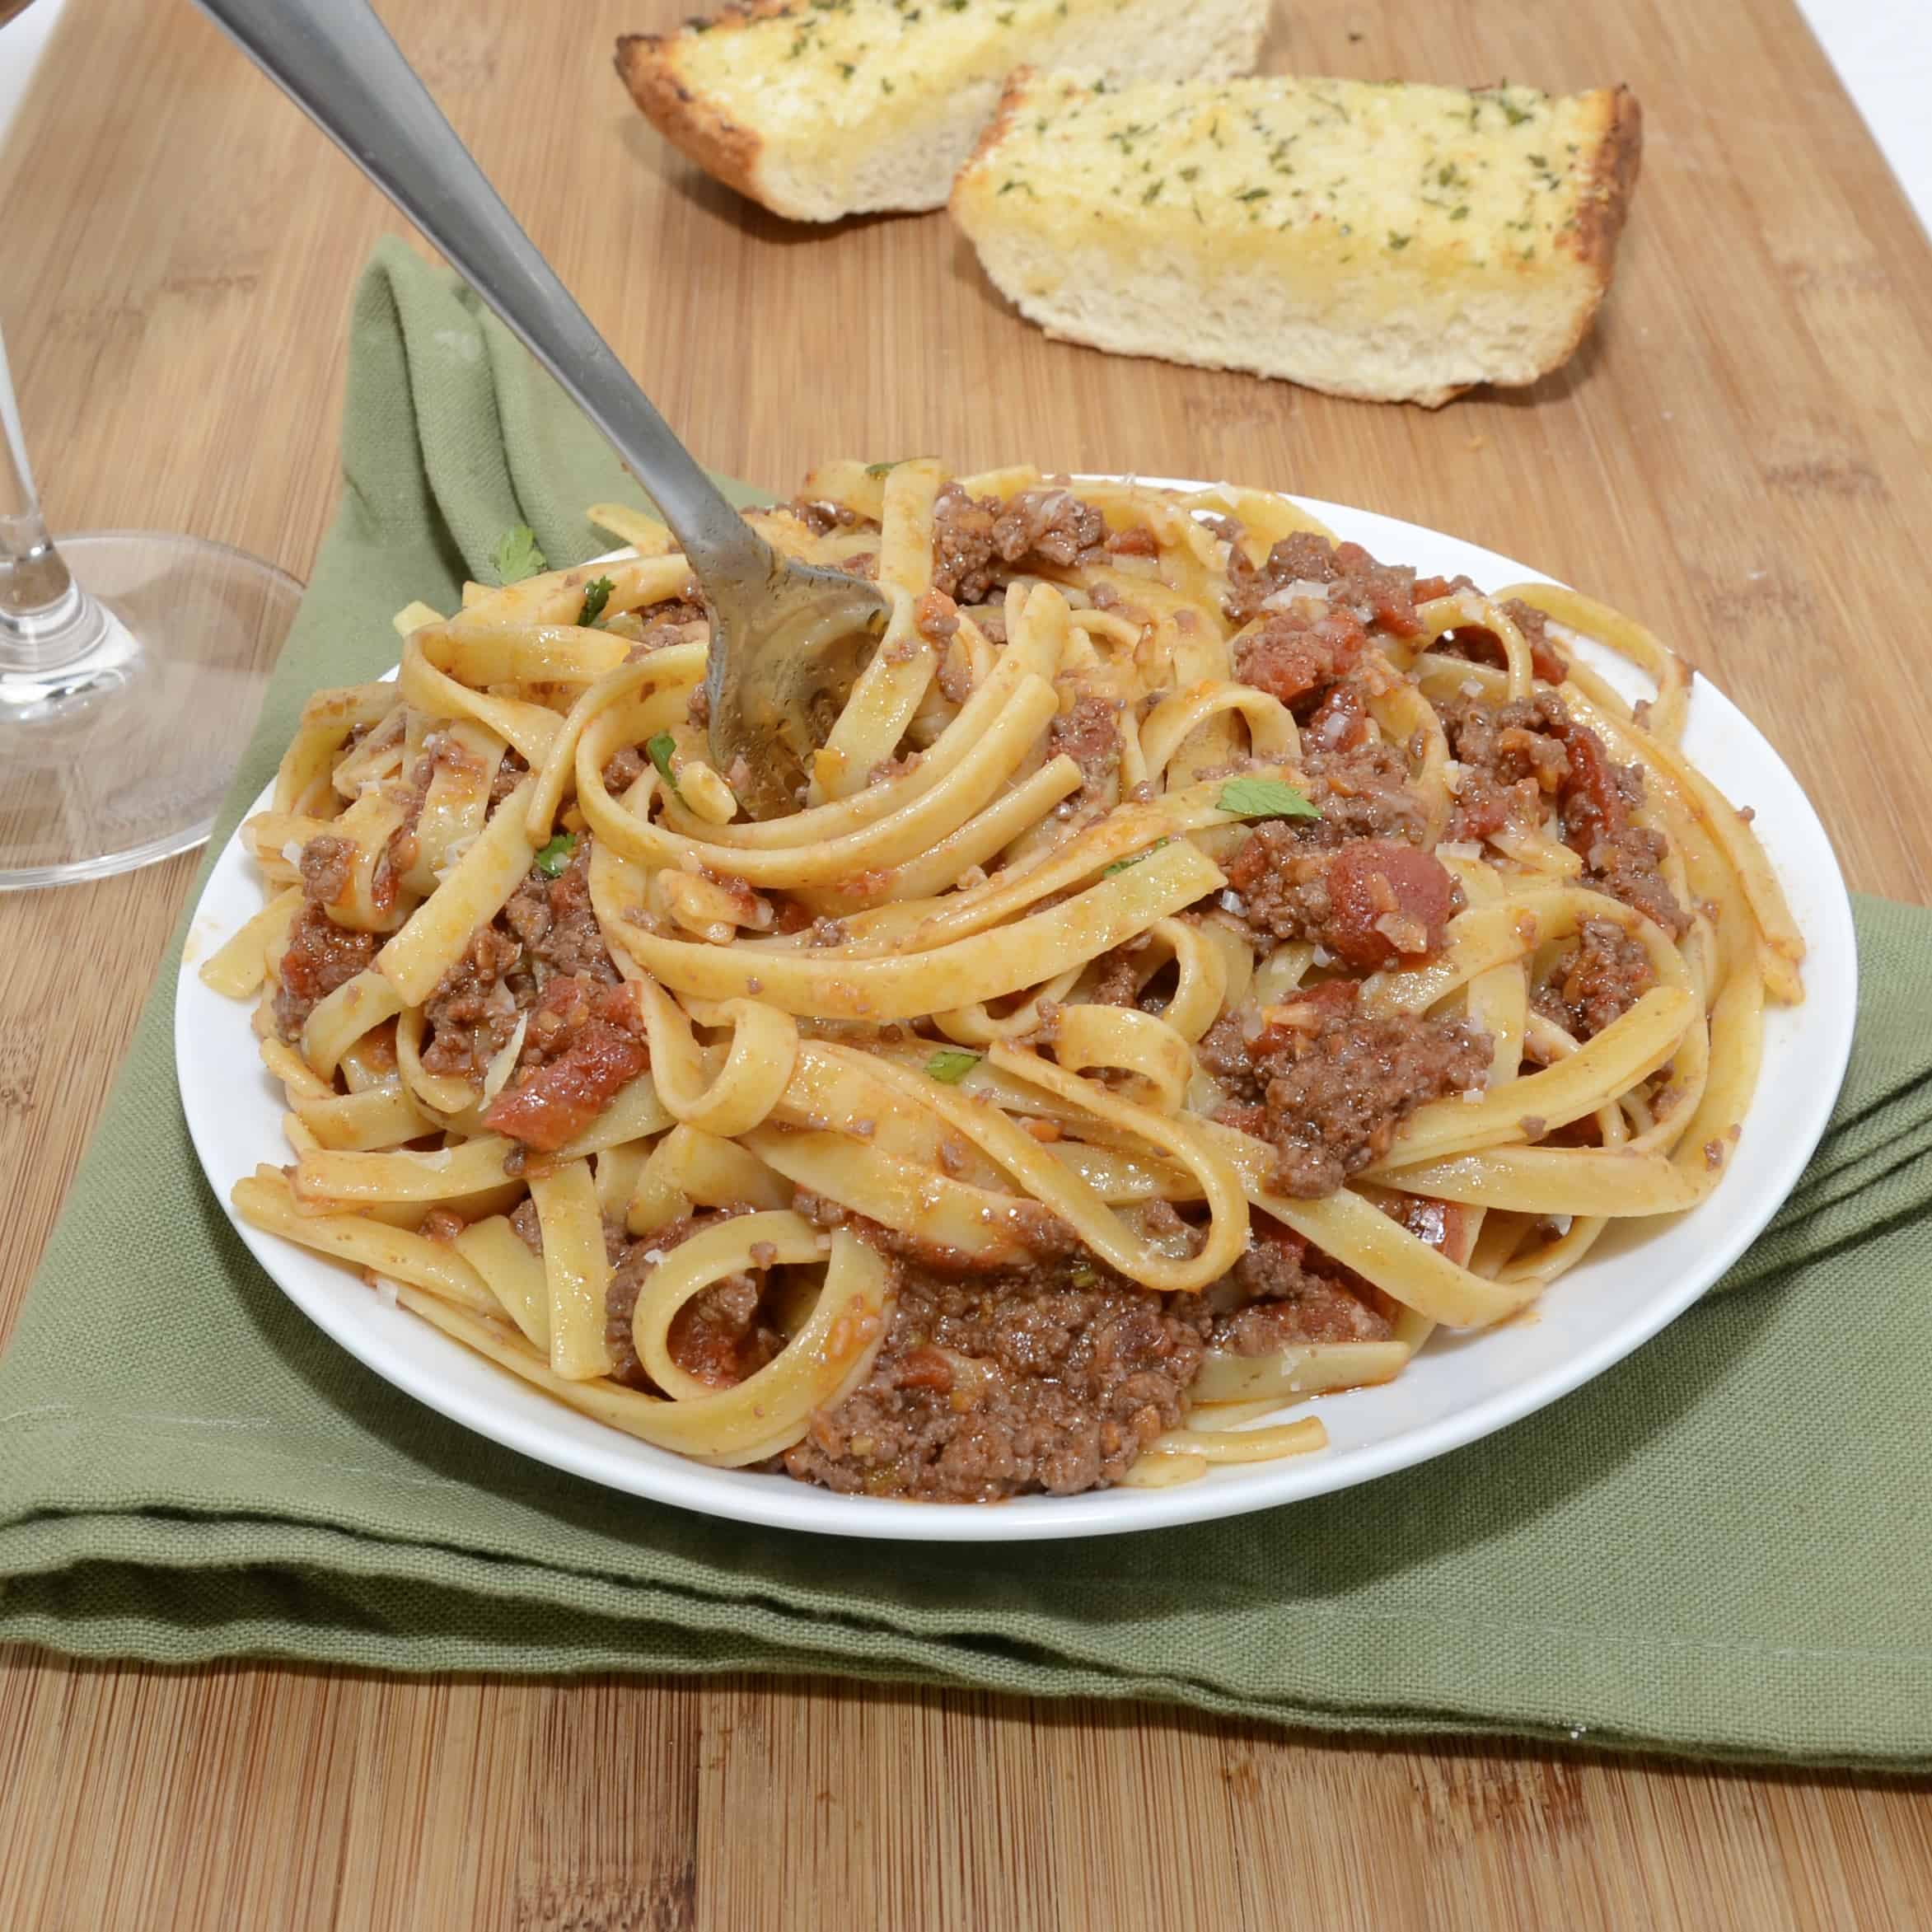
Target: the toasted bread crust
(1603, 208)
(646, 63)
(1018, 84)
(1610, 181)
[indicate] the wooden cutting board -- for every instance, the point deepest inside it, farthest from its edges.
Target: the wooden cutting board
(1742, 455)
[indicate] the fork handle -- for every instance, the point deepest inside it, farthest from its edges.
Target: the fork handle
(336, 61)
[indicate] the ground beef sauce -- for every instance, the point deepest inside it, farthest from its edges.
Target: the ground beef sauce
(542, 956)
(1516, 758)
(724, 1334)
(1090, 735)
(321, 956)
(979, 543)
(1380, 597)
(821, 516)
(1329, 1085)
(1054, 1378)
(325, 864)
(720, 1335)
(512, 770)
(1602, 975)
(652, 626)
(1326, 1084)
(1481, 645)
(1283, 1293)
(1313, 653)
(1298, 657)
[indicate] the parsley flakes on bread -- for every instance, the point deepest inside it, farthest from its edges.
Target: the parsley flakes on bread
(824, 107)
(1387, 241)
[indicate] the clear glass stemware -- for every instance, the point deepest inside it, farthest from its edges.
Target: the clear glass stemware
(132, 667)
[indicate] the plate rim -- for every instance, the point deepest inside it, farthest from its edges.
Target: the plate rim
(620, 1463)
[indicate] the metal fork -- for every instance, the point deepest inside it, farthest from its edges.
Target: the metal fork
(786, 639)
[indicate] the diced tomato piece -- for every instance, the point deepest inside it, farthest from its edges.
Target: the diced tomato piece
(1593, 807)
(595, 1053)
(1389, 902)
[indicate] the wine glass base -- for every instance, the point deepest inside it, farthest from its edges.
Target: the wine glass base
(119, 756)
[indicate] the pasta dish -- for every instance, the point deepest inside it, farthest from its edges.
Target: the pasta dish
(1204, 959)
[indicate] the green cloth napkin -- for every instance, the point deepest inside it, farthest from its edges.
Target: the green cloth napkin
(1720, 1547)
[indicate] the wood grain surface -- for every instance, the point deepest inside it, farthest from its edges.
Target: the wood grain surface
(1742, 454)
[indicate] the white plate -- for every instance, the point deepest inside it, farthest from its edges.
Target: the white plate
(1459, 1389)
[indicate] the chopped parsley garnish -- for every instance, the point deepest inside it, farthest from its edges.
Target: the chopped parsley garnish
(1121, 865)
(1460, 214)
(1398, 242)
(516, 555)
(951, 1064)
(1251, 194)
(1153, 189)
(883, 469)
(556, 855)
(1264, 798)
(659, 750)
(596, 594)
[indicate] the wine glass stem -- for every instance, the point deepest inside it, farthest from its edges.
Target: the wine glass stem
(46, 620)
